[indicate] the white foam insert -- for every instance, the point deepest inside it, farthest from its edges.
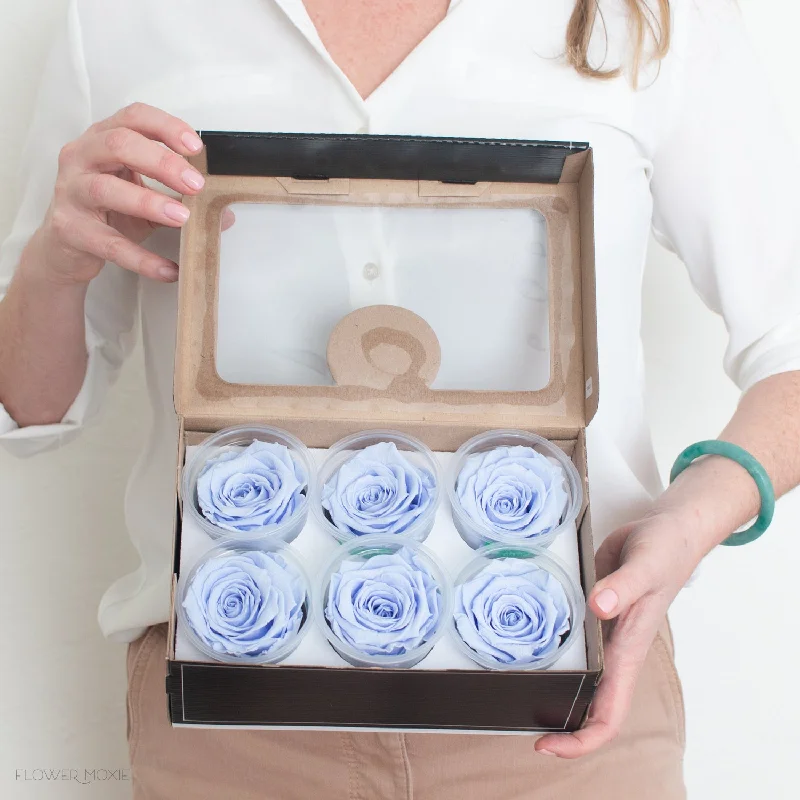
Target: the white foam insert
(315, 546)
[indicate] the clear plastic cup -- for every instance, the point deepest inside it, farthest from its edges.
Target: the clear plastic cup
(477, 533)
(544, 560)
(238, 439)
(363, 549)
(411, 449)
(284, 558)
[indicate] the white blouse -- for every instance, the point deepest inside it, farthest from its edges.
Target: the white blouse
(698, 154)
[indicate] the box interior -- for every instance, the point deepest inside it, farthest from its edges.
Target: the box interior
(199, 542)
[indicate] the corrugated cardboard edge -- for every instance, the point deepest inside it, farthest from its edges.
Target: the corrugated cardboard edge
(176, 540)
(594, 640)
(591, 370)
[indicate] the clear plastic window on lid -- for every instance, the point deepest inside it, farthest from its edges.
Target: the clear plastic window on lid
(478, 276)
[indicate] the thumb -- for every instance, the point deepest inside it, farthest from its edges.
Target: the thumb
(621, 589)
(228, 219)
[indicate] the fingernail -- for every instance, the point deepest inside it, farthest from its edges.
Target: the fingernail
(607, 600)
(545, 752)
(168, 273)
(193, 179)
(176, 211)
(192, 141)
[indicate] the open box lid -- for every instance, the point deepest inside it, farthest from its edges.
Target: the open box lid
(383, 359)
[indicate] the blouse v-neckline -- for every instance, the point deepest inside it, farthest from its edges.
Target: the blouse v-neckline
(298, 15)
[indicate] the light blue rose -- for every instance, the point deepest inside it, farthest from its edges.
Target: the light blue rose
(246, 604)
(512, 612)
(252, 488)
(514, 490)
(378, 490)
(385, 605)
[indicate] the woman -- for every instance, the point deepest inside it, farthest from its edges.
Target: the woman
(673, 130)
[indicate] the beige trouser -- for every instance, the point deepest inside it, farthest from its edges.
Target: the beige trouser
(643, 763)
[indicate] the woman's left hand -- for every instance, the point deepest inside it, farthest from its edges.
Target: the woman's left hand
(652, 559)
(647, 562)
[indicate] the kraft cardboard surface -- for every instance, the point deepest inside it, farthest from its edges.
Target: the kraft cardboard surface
(323, 414)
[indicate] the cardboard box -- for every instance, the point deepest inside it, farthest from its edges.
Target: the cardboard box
(553, 178)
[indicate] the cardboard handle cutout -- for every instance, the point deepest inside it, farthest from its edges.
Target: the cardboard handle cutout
(384, 347)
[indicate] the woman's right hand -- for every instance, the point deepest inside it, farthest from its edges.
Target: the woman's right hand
(101, 211)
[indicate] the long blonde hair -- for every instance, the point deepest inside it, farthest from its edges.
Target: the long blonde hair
(650, 36)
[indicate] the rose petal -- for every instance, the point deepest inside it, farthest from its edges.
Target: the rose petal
(512, 611)
(513, 490)
(244, 490)
(378, 490)
(268, 592)
(388, 604)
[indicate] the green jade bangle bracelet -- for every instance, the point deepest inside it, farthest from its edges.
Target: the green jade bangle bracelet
(714, 447)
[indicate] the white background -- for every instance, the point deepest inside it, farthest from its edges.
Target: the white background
(62, 687)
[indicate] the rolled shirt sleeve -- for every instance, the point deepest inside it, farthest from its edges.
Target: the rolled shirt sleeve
(725, 194)
(62, 113)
